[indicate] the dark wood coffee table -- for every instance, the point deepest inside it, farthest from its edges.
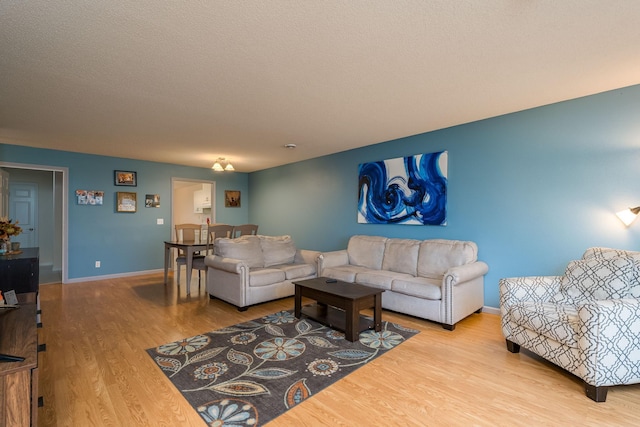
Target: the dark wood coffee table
(338, 305)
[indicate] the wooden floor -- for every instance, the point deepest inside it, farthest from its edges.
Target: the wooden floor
(95, 371)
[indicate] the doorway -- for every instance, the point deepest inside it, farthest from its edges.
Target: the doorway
(38, 199)
(192, 202)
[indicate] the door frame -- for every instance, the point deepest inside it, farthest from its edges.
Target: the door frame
(65, 207)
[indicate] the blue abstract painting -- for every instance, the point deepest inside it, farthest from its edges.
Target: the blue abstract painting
(404, 190)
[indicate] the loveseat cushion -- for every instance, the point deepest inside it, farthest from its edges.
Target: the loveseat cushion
(265, 276)
(277, 250)
(401, 256)
(595, 279)
(296, 271)
(556, 321)
(419, 287)
(436, 256)
(366, 251)
(246, 248)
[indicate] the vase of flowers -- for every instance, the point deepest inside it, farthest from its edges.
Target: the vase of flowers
(8, 228)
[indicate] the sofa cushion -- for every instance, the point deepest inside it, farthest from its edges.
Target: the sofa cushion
(419, 287)
(346, 273)
(246, 248)
(595, 279)
(277, 250)
(265, 276)
(296, 271)
(366, 251)
(401, 256)
(438, 255)
(556, 321)
(379, 278)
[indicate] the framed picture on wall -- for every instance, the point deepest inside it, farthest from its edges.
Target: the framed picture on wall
(126, 202)
(231, 199)
(152, 201)
(126, 178)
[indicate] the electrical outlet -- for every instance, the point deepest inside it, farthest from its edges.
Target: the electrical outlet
(97, 264)
(160, 221)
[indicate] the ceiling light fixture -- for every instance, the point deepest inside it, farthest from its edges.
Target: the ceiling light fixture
(290, 146)
(222, 165)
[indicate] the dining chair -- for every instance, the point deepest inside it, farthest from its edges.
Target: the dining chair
(214, 231)
(187, 233)
(243, 229)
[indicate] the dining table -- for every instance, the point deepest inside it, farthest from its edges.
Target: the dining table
(190, 248)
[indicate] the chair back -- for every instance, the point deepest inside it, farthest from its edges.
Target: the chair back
(188, 232)
(218, 230)
(240, 230)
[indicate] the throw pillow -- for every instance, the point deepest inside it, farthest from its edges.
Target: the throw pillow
(245, 248)
(595, 279)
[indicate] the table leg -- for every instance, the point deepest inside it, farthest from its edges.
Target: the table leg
(298, 302)
(167, 255)
(189, 266)
(351, 330)
(377, 312)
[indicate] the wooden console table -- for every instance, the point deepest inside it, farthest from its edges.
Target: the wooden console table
(19, 380)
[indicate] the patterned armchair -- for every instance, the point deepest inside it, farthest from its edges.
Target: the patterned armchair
(587, 321)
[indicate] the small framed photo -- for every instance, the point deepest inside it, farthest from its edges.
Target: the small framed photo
(152, 201)
(126, 202)
(231, 199)
(89, 197)
(126, 178)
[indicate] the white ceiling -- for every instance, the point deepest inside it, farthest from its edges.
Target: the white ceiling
(186, 82)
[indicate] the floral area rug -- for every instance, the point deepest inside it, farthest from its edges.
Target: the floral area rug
(250, 373)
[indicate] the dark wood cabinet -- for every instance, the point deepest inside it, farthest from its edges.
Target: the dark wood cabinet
(19, 380)
(20, 272)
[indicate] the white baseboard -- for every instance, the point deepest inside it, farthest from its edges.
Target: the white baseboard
(114, 276)
(491, 310)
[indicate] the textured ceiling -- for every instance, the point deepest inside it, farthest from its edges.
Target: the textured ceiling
(188, 82)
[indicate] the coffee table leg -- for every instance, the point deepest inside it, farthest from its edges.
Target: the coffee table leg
(298, 302)
(377, 312)
(352, 332)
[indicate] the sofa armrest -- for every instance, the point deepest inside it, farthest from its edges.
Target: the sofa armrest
(464, 273)
(226, 264)
(304, 256)
(608, 332)
(332, 259)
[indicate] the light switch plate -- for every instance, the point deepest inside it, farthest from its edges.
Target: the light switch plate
(160, 221)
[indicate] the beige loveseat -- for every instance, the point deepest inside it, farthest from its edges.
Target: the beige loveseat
(253, 269)
(439, 280)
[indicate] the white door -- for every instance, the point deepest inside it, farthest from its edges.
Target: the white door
(23, 207)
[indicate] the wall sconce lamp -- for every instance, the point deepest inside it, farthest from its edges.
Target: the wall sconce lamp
(627, 216)
(222, 165)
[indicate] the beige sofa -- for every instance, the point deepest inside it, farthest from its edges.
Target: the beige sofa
(253, 269)
(438, 280)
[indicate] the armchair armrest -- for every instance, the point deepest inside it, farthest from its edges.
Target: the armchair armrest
(332, 259)
(226, 264)
(608, 341)
(464, 273)
(532, 288)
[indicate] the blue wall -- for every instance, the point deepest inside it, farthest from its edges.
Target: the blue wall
(533, 189)
(123, 242)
